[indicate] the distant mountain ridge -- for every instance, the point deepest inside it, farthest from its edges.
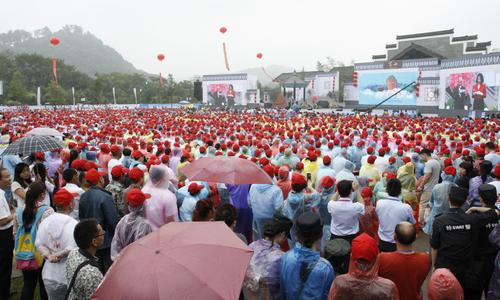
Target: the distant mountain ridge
(78, 48)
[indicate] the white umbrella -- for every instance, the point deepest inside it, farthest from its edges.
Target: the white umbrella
(44, 131)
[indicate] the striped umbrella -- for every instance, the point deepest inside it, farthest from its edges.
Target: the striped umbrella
(32, 144)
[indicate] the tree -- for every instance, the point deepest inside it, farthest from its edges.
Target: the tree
(55, 94)
(329, 64)
(16, 89)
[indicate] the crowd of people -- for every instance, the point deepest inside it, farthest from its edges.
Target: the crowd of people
(348, 198)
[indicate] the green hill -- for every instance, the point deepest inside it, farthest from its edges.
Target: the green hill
(78, 48)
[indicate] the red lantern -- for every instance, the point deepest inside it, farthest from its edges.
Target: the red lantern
(355, 79)
(223, 30)
(259, 55)
(54, 41)
(160, 57)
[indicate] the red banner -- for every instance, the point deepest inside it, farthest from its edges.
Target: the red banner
(54, 69)
(161, 80)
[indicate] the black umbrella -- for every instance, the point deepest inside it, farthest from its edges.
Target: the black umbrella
(31, 144)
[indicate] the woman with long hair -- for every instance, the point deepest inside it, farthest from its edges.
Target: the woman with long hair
(32, 214)
(484, 177)
(479, 93)
(22, 179)
(41, 175)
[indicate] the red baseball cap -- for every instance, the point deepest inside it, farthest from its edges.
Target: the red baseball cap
(269, 170)
(136, 154)
(63, 198)
(194, 188)
(371, 159)
(364, 247)
(327, 182)
(326, 160)
(115, 149)
(93, 176)
(136, 197)
(135, 174)
(298, 178)
(118, 171)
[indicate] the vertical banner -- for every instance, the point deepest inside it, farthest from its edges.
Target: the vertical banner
(161, 80)
(73, 91)
(226, 61)
(54, 69)
(38, 97)
(135, 95)
(114, 96)
(1, 88)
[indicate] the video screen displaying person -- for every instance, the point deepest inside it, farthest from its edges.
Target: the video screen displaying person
(479, 93)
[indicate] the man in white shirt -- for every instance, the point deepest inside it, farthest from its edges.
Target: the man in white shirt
(116, 155)
(345, 213)
(390, 212)
(7, 215)
(71, 177)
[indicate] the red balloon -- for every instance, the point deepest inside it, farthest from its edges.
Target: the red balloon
(259, 55)
(160, 57)
(54, 41)
(223, 30)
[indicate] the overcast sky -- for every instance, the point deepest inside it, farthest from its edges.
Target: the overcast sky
(288, 32)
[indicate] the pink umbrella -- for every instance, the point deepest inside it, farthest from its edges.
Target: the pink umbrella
(191, 260)
(231, 170)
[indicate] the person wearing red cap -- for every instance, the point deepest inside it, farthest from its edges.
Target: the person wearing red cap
(98, 203)
(54, 241)
(395, 265)
(362, 280)
(311, 166)
(116, 155)
(104, 157)
(382, 161)
(137, 159)
(116, 188)
(161, 209)
(326, 188)
(368, 222)
(324, 170)
(132, 226)
(370, 172)
(195, 192)
(264, 200)
(439, 198)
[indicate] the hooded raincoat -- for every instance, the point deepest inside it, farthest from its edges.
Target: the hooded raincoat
(296, 284)
(264, 200)
(362, 282)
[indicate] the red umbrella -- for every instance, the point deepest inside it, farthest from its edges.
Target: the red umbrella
(231, 170)
(191, 260)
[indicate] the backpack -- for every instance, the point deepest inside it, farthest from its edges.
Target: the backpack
(27, 257)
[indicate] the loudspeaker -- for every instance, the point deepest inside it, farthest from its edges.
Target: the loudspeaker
(198, 91)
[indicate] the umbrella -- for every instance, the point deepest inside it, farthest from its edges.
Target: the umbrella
(189, 260)
(231, 170)
(33, 143)
(44, 131)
